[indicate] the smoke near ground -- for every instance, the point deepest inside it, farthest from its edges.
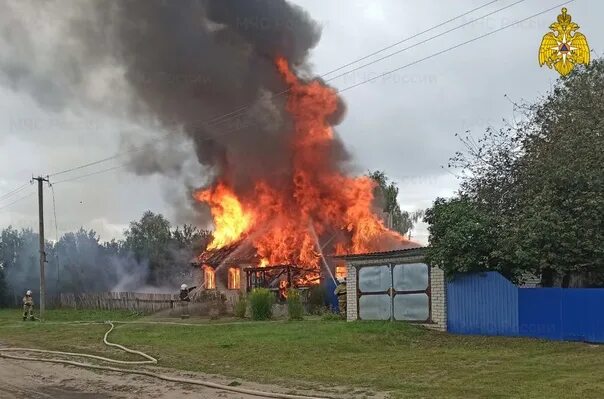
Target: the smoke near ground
(154, 257)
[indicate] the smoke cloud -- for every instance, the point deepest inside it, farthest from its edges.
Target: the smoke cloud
(172, 64)
(78, 263)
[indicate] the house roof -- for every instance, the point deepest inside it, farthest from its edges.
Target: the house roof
(239, 252)
(407, 252)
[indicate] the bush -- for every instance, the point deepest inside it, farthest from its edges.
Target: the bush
(240, 307)
(295, 310)
(316, 299)
(261, 303)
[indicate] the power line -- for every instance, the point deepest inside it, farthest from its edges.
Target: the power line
(453, 47)
(244, 108)
(346, 88)
(408, 38)
(84, 165)
(15, 191)
(17, 200)
(90, 174)
(240, 111)
(435, 54)
(425, 40)
(383, 74)
(54, 210)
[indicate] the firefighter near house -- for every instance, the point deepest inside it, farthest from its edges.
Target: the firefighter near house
(28, 306)
(340, 292)
(184, 300)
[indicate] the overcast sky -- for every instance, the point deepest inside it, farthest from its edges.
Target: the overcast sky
(403, 124)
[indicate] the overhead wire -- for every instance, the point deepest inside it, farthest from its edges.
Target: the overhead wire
(425, 40)
(393, 45)
(367, 80)
(453, 47)
(241, 111)
(448, 49)
(15, 191)
(54, 211)
(90, 174)
(17, 200)
(408, 38)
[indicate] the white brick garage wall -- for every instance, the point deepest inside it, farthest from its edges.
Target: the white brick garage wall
(437, 284)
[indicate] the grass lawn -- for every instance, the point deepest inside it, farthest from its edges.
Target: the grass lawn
(406, 360)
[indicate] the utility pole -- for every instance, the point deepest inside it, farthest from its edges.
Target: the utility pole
(41, 180)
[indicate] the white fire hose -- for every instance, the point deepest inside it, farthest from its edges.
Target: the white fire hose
(150, 360)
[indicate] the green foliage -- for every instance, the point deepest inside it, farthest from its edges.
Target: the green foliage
(240, 308)
(316, 299)
(168, 253)
(295, 310)
(148, 240)
(152, 254)
(534, 191)
(386, 194)
(261, 304)
(3, 289)
(461, 237)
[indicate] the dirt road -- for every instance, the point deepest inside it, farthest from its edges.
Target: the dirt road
(31, 380)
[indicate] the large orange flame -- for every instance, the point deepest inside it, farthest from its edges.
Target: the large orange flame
(229, 217)
(286, 223)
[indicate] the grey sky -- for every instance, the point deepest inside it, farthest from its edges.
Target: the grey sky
(403, 124)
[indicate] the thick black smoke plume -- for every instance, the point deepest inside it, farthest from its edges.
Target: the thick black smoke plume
(178, 64)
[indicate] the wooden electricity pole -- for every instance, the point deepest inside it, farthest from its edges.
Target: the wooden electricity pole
(41, 180)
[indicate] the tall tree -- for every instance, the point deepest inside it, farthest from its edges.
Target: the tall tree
(539, 185)
(149, 240)
(559, 216)
(387, 195)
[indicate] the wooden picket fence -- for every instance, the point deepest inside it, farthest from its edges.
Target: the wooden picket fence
(133, 301)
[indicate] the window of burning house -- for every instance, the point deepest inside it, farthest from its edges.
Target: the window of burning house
(234, 280)
(209, 278)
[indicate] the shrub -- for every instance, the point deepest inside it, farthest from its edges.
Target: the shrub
(240, 307)
(261, 303)
(295, 310)
(330, 316)
(316, 299)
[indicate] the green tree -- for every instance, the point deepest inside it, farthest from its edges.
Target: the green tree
(83, 263)
(386, 194)
(10, 244)
(149, 240)
(559, 215)
(537, 187)
(191, 237)
(463, 238)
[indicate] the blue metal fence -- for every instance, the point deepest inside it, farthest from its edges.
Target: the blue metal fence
(483, 304)
(488, 304)
(539, 312)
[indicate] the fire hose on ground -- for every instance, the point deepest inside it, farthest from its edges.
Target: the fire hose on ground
(149, 360)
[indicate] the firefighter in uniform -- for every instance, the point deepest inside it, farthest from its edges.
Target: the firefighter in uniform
(28, 306)
(340, 292)
(184, 300)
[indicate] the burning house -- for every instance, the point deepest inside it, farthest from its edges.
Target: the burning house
(276, 231)
(248, 134)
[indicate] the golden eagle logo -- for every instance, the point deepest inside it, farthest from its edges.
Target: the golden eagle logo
(563, 48)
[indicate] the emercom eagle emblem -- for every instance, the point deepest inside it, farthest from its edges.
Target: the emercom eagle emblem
(564, 47)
